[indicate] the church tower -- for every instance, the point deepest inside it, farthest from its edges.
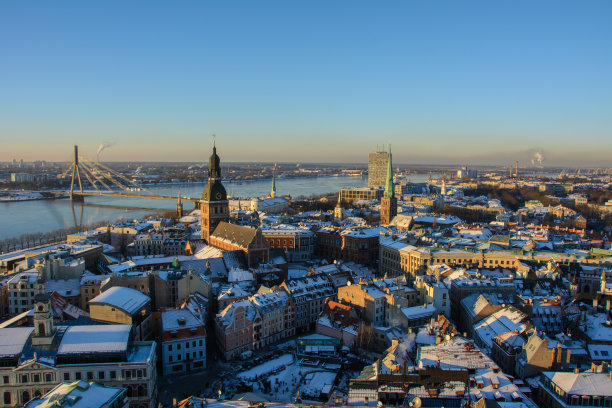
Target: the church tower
(338, 213)
(44, 332)
(388, 204)
(179, 205)
(214, 205)
(273, 189)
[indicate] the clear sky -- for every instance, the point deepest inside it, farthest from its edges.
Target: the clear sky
(445, 81)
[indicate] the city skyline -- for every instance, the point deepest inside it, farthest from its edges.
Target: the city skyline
(477, 84)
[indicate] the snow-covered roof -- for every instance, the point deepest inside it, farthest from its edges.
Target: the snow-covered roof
(417, 312)
(175, 319)
(95, 339)
(65, 287)
(239, 275)
(12, 340)
(127, 299)
(364, 232)
(502, 321)
(79, 394)
(586, 383)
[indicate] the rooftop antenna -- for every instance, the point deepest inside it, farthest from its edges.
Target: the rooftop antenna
(214, 139)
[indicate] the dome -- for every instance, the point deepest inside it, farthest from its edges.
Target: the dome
(214, 191)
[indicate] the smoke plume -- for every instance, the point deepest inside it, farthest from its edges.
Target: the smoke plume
(538, 158)
(103, 146)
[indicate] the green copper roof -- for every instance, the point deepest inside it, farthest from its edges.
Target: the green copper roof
(273, 182)
(389, 193)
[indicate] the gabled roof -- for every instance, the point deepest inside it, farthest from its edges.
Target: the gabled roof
(235, 234)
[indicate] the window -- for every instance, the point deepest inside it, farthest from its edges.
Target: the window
(101, 375)
(90, 375)
(48, 377)
(169, 347)
(66, 376)
(7, 398)
(24, 379)
(113, 375)
(36, 378)
(77, 376)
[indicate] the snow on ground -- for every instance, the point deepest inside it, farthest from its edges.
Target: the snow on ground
(284, 384)
(320, 382)
(285, 376)
(267, 367)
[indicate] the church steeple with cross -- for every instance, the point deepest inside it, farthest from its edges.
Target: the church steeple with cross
(214, 206)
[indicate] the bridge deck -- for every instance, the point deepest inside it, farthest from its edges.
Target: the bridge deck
(124, 195)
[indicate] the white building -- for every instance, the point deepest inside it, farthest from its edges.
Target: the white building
(34, 360)
(22, 289)
(183, 342)
(435, 292)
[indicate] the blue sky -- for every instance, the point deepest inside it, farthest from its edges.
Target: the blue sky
(444, 81)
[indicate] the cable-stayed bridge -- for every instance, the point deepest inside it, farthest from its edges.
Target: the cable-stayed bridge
(106, 182)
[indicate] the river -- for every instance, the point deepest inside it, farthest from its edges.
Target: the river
(27, 217)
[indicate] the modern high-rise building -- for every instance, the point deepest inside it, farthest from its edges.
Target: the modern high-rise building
(377, 168)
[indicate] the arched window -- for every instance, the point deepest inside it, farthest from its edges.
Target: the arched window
(25, 397)
(7, 398)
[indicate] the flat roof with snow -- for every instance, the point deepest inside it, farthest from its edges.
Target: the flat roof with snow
(127, 299)
(13, 339)
(95, 339)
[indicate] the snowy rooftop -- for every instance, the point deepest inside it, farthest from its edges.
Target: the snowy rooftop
(589, 383)
(65, 287)
(456, 353)
(502, 321)
(364, 232)
(126, 299)
(95, 339)
(417, 312)
(13, 339)
(179, 319)
(79, 394)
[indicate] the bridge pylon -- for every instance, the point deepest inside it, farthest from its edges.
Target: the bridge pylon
(75, 170)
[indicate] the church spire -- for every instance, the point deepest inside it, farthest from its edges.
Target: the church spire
(389, 193)
(214, 163)
(273, 190)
